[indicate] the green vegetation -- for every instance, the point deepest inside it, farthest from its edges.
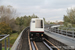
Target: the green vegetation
(4, 48)
(5, 28)
(69, 19)
(13, 37)
(11, 23)
(9, 16)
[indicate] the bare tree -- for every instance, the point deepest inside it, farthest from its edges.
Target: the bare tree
(7, 13)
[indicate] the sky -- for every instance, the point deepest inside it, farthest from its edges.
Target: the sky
(51, 10)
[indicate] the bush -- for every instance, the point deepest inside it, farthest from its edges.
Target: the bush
(5, 28)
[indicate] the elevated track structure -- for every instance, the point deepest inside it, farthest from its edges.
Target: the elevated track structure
(53, 41)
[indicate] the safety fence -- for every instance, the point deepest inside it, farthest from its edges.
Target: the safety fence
(5, 38)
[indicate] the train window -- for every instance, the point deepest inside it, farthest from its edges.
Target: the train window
(41, 23)
(33, 21)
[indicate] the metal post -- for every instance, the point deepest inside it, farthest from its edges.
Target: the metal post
(0, 46)
(66, 31)
(8, 43)
(58, 30)
(5, 44)
(61, 31)
(55, 30)
(51, 29)
(73, 34)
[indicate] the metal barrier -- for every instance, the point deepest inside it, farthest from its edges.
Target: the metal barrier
(64, 31)
(4, 38)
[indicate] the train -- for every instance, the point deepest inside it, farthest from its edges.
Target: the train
(37, 29)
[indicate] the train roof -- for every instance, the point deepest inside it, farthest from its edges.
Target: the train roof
(36, 18)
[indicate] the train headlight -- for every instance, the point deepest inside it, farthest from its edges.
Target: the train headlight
(41, 34)
(31, 34)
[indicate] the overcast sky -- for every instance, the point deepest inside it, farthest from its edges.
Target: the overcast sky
(51, 10)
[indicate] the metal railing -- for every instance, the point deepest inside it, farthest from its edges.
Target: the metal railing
(66, 31)
(63, 31)
(5, 42)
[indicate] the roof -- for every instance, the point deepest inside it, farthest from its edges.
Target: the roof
(36, 18)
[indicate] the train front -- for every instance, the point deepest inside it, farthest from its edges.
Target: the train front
(37, 29)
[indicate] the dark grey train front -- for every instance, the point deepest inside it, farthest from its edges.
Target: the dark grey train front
(37, 29)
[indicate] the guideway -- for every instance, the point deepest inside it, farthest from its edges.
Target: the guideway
(61, 38)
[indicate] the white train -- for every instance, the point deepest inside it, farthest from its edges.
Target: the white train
(37, 29)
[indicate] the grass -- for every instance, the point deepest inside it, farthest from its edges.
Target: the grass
(12, 37)
(4, 48)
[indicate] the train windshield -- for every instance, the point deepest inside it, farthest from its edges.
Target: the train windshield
(39, 24)
(33, 21)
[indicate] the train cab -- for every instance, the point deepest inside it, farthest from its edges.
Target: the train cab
(37, 29)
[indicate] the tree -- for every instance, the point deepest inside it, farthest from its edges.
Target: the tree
(34, 16)
(13, 25)
(45, 21)
(7, 14)
(20, 23)
(70, 17)
(5, 28)
(24, 21)
(52, 23)
(66, 20)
